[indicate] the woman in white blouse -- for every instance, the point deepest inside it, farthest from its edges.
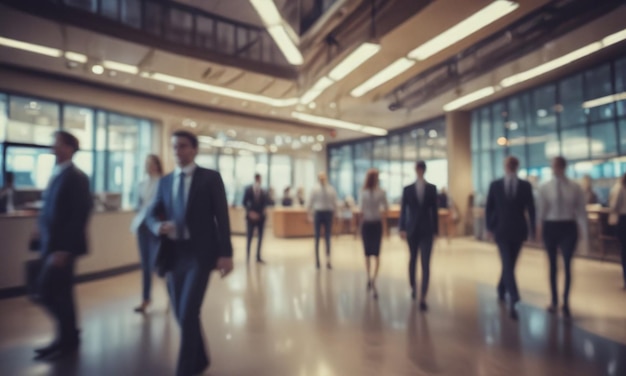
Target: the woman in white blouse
(148, 242)
(617, 203)
(374, 206)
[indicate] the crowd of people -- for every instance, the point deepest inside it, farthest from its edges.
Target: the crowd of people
(183, 232)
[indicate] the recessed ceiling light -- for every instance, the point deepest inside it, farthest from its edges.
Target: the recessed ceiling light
(273, 148)
(317, 147)
(320, 137)
(260, 141)
(432, 133)
(312, 105)
(296, 144)
(97, 69)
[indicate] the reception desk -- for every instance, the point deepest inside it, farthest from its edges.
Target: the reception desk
(112, 247)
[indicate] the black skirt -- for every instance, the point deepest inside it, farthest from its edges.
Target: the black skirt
(372, 234)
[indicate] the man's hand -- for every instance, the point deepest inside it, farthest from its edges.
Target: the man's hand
(59, 258)
(166, 228)
(254, 216)
(224, 266)
(403, 235)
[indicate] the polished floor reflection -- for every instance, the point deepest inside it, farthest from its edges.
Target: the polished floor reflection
(285, 318)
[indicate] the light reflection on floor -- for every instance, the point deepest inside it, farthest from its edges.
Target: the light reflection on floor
(286, 318)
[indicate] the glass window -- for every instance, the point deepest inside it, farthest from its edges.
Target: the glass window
(476, 171)
(394, 191)
(622, 135)
(4, 108)
(123, 132)
(204, 32)
(32, 121)
(380, 162)
(131, 12)
(32, 166)
(305, 177)
(153, 17)
(575, 144)
(180, 27)
(409, 154)
(87, 5)
(227, 170)
(263, 168)
(207, 158)
(280, 172)
(572, 113)
(620, 86)
(518, 119)
(109, 9)
(79, 121)
(475, 131)
(598, 84)
(499, 116)
(544, 119)
(245, 168)
(486, 171)
(603, 139)
(486, 137)
(362, 162)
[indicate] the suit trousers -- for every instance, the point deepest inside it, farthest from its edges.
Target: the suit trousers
(509, 252)
(187, 283)
(251, 225)
(148, 248)
(621, 234)
(56, 294)
(423, 243)
(323, 218)
(564, 235)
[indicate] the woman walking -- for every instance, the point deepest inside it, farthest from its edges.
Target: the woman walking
(374, 206)
(148, 242)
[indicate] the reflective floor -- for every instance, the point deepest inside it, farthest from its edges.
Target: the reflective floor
(285, 318)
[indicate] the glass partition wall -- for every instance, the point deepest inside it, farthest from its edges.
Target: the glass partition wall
(112, 146)
(394, 156)
(581, 117)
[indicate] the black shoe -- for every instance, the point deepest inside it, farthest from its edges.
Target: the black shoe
(513, 312)
(42, 352)
(552, 308)
(260, 261)
(328, 266)
(413, 294)
(58, 348)
(566, 312)
(423, 306)
(317, 265)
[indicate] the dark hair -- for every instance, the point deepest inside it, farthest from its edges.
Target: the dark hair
(513, 162)
(371, 179)
(287, 190)
(9, 177)
(157, 162)
(420, 165)
(189, 136)
(560, 162)
(257, 176)
(68, 139)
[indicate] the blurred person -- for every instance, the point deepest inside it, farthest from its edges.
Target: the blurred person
(148, 243)
(271, 197)
(617, 204)
(374, 206)
(509, 200)
(62, 238)
(7, 194)
(300, 196)
(322, 207)
(191, 211)
(587, 185)
(255, 200)
(562, 218)
(419, 225)
(287, 200)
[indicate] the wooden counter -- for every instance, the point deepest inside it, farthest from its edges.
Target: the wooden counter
(293, 222)
(446, 225)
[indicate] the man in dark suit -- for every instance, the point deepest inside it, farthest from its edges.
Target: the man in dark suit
(62, 238)
(255, 202)
(508, 201)
(191, 210)
(419, 225)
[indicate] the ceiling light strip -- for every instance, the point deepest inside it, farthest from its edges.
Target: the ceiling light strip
(354, 60)
(38, 49)
(336, 123)
(278, 30)
(469, 98)
(75, 56)
(391, 71)
(604, 100)
(120, 67)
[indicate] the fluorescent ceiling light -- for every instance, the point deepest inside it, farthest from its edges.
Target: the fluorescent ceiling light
(394, 69)
(75, 56)
(614, 38)
(120, 67)
(335, 123)
(30, 47)
(552, 64)
(605, 100)
(267, 11)
(354, 60)
(317, 89)
(469, 98)
(286, 45)
(223, 91)
(465, 28)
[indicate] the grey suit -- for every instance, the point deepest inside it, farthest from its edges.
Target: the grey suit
(62, 227)
(206, 218)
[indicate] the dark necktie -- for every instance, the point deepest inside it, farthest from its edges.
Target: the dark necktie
(179, 208)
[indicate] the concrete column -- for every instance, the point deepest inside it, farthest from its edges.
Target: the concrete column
(458, 134)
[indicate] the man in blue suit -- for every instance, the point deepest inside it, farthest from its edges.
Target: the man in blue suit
(62, 238)
(191, 210)
(255, 202)
(509, 200)
(419, 225)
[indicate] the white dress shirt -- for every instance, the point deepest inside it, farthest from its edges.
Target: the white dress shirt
(510, 185)
(59, 168)
(617, 199)
(371, 202)
(147, 192)
(420, 188)
(561, 199)
(188, 171)
(323, 198)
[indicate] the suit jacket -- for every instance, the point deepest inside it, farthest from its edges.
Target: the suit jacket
(251, 204)
(505, 216)
(65, 213)
(419, 219)
(206, 215)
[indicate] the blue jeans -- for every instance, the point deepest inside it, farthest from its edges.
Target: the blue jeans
(323, 218)
(148, 246)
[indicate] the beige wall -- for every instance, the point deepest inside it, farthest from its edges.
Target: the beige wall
(458, 127)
